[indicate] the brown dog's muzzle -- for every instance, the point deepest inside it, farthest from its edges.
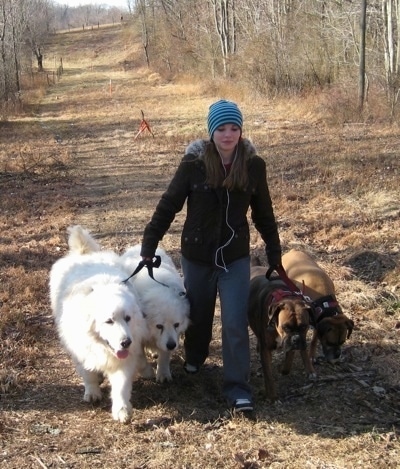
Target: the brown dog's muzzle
(332, 353)
(295, 342)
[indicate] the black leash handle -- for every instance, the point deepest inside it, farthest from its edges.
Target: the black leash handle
(149, 264)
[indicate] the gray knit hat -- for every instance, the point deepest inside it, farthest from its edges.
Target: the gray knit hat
(223, 112)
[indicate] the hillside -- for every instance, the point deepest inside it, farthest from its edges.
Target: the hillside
(76, 158)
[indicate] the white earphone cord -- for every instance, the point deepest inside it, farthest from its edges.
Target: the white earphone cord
(220, 249)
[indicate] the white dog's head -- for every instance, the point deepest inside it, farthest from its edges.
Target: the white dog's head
(163, 299)
(114, 317)
(167, 317)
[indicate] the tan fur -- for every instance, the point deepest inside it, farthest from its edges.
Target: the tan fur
(314, 282)
(302, 268)
(257, 270)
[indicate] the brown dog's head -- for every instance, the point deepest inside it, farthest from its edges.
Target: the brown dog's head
(332, 333)
(292, 321)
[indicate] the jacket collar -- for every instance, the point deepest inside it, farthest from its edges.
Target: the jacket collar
(197, 148)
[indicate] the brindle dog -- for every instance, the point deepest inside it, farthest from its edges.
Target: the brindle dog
(278, 317)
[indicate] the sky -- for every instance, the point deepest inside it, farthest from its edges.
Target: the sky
(75, 3)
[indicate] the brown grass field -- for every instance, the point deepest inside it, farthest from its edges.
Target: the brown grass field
(72, 158)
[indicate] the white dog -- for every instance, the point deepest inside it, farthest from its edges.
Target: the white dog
(99, 320)
(164, 305)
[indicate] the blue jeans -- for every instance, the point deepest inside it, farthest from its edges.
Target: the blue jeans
(202, 284)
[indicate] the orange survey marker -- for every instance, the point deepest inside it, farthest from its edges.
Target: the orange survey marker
(143, 126)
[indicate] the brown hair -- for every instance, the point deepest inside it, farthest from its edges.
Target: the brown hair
(237, 178)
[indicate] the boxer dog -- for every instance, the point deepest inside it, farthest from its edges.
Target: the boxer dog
(278, 317)
(332, 326)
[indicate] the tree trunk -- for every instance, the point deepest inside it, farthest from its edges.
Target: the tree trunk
(361, 76)
(145, 33)
(225, 24)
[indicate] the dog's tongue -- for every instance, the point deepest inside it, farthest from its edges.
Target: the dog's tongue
(122, 353)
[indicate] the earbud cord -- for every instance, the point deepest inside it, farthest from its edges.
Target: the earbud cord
(220, 249)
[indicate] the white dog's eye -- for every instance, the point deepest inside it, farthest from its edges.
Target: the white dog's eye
(127, 318)
(176, 325)
(160, 326)
(109, 321)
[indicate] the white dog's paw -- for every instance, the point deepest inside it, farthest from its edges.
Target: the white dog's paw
(122, 414)
(147, 372)
(163, 376)
(92, 394)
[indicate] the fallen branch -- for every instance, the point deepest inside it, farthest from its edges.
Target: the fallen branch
(344, 376)
(40, 462)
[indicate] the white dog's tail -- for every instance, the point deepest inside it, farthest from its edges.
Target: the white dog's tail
(80, 241)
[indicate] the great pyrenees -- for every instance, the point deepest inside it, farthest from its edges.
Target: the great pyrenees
(99, 320)
(164, 304)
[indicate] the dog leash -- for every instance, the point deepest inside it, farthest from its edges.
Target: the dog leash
(283, 275)
(149, 264)
(289, 283)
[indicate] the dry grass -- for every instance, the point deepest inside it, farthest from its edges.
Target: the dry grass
(76, 161)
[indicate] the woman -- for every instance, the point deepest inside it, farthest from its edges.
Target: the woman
(220, 178)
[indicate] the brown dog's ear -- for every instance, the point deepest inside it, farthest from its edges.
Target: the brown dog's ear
(311, 314)
(350, 327)
(273, 311)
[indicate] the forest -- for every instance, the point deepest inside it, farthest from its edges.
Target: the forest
(346, 51)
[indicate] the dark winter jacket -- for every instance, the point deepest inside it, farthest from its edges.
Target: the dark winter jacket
(211, 213)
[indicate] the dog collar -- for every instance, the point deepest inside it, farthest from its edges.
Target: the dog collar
(275, 297)
(278, 295)
(326, 307)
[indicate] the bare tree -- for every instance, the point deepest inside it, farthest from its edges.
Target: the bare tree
(363, 27)
(131, 5)
(4, 75)
(10, 38)
(225, 24)
(37, 21)
(391, 38)
(141, 5)
(272, 46)
(174, 11)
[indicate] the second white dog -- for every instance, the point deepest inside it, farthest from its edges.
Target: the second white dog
(165, 307)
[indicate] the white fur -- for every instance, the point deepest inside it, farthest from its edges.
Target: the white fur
(99, 320)
(166, 308)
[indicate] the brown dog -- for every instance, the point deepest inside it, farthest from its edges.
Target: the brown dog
(277, 316)
(332, 326)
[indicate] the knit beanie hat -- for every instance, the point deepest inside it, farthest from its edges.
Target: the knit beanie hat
(223, 112)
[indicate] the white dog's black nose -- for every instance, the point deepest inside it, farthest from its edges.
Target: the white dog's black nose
(126, 343)
(171, 344)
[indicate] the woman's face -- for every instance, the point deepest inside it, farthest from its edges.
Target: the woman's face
(226, 137)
